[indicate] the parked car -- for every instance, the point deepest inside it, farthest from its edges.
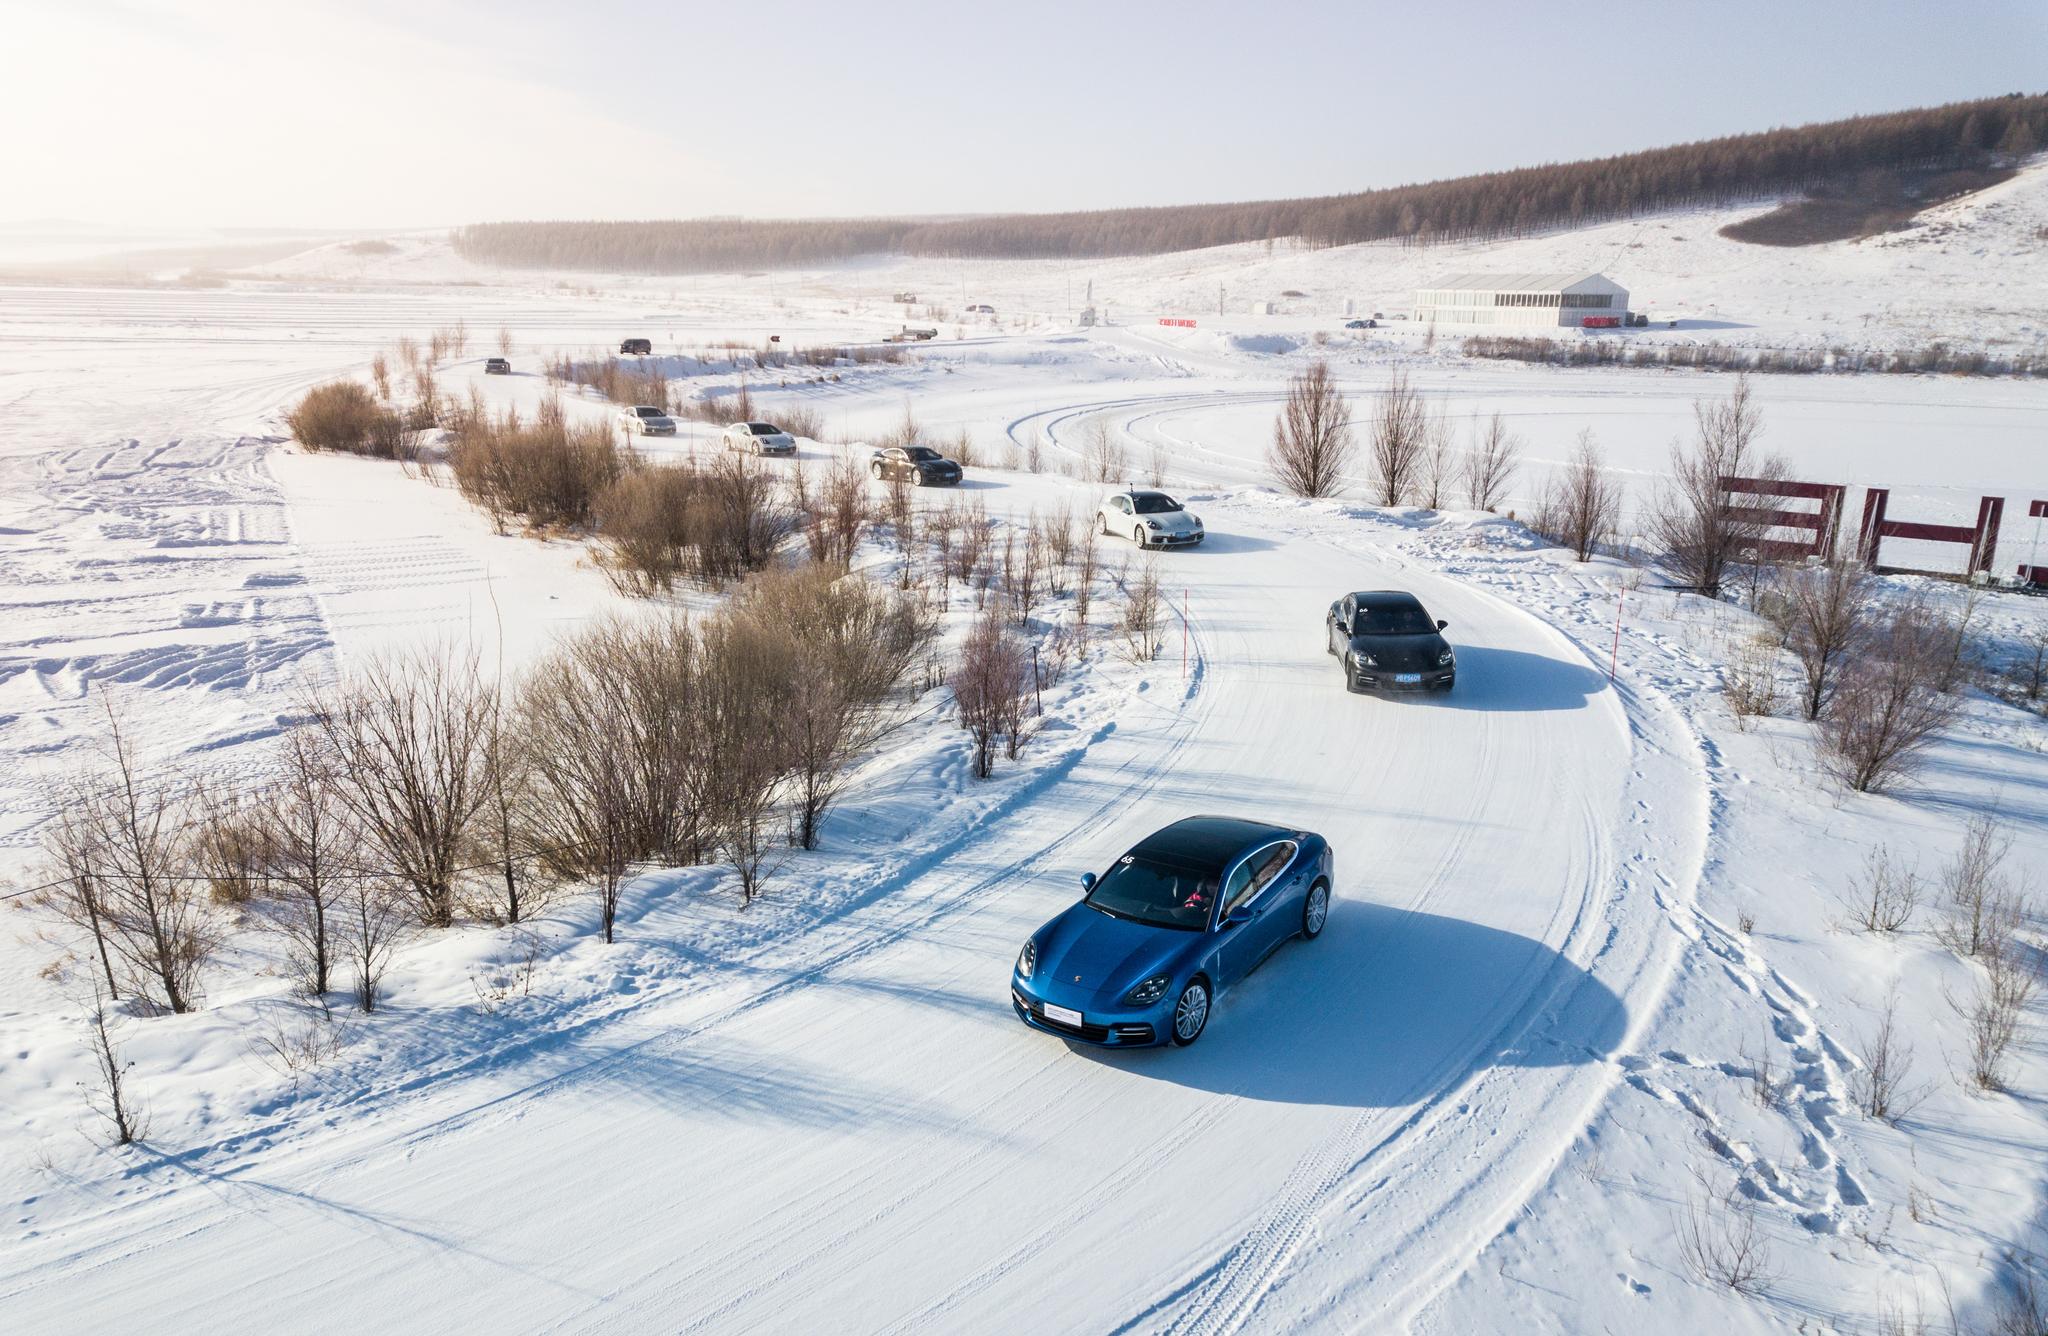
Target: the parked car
(760, 438)
(639, 346)
(1149, 519)
(909, 335)
(646, 420)
(1189, 911)
(981, 308)
(919, 465)
(497, 366)
(1386, 641)
(1362, 324)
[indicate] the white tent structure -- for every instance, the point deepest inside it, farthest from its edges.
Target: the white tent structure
(1549, 300)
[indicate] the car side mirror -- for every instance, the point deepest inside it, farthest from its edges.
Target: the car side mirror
(1087, 881)
(1441, 623)
(1238, 916)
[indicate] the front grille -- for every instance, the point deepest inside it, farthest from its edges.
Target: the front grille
(1093, 1033)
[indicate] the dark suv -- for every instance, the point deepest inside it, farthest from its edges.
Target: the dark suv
(640, 346)
(497, 366)
(1388, 642)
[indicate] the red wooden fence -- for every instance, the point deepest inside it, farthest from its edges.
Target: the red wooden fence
(1981, 538)
(1821, 525)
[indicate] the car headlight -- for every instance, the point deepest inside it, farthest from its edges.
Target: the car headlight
(1027, 959)
(1363, 660)
(1151, 524)
(1446, 659)
(1148, 992)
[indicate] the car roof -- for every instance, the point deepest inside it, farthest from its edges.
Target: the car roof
(1207, 841)
(1378, 599)
(650, 408)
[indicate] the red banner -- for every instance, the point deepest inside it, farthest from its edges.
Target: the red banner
(1177, 324)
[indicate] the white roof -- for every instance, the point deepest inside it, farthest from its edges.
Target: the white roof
(1518, 282)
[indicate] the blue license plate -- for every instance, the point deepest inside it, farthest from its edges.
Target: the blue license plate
(1407, 679)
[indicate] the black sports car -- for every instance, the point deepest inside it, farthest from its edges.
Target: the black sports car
(919, 465)
(1388, 643)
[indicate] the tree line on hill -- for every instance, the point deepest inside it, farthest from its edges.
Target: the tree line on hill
(1722, 171)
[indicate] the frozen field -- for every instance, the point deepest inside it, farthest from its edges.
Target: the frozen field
(1481, 1101)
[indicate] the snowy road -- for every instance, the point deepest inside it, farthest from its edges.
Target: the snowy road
(869, 1141)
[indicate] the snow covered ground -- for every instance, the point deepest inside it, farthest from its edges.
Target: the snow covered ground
(1483, 1100)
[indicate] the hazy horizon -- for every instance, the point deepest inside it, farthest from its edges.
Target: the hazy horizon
(352, 115)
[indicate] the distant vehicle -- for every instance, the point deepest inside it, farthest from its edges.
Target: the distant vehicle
(909, 335)
(1188, 912)
(919, 465)
(1639, 319)
(1377, 316)
(1149, 519)
(497, 366)
(759, 438)
(1600, 322)
(981, 308)
(639, 346)
(1386, 641)
(907, 298)
(1361, 324)
(646, 420)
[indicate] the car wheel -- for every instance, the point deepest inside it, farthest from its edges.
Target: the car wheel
(1102, 526)
(1191, 1013)
(876, 469)
(757, 449)
(1315, 911)
(917, 478)
(1138, 537)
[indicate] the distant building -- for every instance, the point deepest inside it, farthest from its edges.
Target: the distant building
(1525, 300)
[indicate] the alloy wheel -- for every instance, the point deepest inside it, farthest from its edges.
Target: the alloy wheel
(1317, 911)
(1191, 1013)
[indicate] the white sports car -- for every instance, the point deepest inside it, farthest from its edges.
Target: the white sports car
(646, 420)
(1149, 519)
(759, 438)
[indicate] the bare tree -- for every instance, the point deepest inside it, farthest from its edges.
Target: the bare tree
(1059, 539)
(1107, 459)
(1824, 613)
(1994, 1017)
(110, 1095)
(410, 735)
(1980, 910)
(1886, 710)
(1697, 518)
(1139, 622)
(745, 678)
(314, 854)
(74, 891)
(380, 376)
(1399, 430)
(1312, 440)
(1583, 504)
(372, 923)
(1882, 1086)
(502, 831)
(1086, 558)
(1491, 464)
(1438, 467)
(989, 682)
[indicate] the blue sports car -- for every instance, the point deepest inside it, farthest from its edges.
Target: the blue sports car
(1191, 910)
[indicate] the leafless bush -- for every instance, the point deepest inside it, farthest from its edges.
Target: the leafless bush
(1400, 430)
(409, 740)
(1721, 1238)
(1312, 440)
(1139, 622)
(1883, 1087)
(373, 923)
(547, 471)
(505, 344)
(1884, 897)
(1495, 456)
(408, 351)
(506, 981)
(1437, 468)
(1993, 1017)
(229, 842)
(965, 453)
(644, 522)
(1059, 536)
(1582, 505)
(1886, 711)
(110, 1096)
(970, 550)
(1824, 612)
(1107, 459)
(74, 890)
(1024, 582)
(1750, 681)
(1957, 653)
(380, 376)
(833, 512)
(2021, 1308)
(2025, 674)
(1157, 461)
(1085, 559)
(314, 851)
(342, 416)
(502, 835)
(1698, 521)
(990, 682)
(295, 1043)
(1980, 909)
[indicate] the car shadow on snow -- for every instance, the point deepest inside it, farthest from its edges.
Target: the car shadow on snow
(1513, 680)
(1386, 1008)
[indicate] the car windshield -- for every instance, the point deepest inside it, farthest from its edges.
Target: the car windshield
(764, 429)
(1165, 895)
(1395, 621)
(923, 454)
(1155, 503)
(648, 412)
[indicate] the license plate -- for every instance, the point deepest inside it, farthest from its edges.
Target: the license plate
(1406, 678)
(1064, 1015)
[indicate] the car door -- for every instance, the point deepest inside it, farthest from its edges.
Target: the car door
(1264, 884)
(1237, 949)
(1340, 625)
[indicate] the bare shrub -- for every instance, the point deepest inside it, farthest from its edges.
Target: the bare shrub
(990, 682)
(1399, 431)
(833, 512)
(1883, 1087)
(742, 519)
(1993, 1017)
(1139, 621)
(341, 416)
(547, 471)
(644, 522)
(1885, 712)
(1750, 682)
(1884, 898)
(1721, 1239)
(1086, 558)
(746, 676)
(295, 1043)
(1491, 464)
(1312, 445)
(373, 923)
(314, 851)
(502, 834)
(1824, 611)
(110, 1096)
(1157, 461)
(1437, 468)
(1582, 506)
(1107, 458)
(505, 344)
(1059, 536)
(73, 888)
(380, 376)
(1980, 909)
(970, 551)
(1698, 521)
(228, 843)
(409, 739)
(964, 451)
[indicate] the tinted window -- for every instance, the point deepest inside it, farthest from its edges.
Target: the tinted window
(1155, 503)
(762, 428)
(1162, 894)
(923, 454)
(1391, 622)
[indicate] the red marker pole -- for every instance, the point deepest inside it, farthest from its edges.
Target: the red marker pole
(1614, 657)
(1183, 635)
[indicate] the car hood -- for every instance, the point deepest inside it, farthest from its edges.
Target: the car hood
(1414, 653)
(938, 466)
(1174, 521)
(1109, 955)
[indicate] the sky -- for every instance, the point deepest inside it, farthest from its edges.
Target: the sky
(358, 114)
